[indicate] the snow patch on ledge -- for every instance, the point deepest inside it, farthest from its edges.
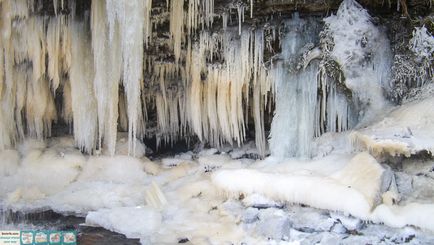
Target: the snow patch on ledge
(407, 130)
(352, 190)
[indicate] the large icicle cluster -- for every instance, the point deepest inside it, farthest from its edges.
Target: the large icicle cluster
(83, 100)
(308, 93)
(27, 85)
(296, 95)
(129, 17)
(99, 73)
(97, 68)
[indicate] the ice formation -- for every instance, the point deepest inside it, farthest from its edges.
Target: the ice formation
(114, 79)
(216, 84)
(363, 52)
(296, 97)
(83, 100)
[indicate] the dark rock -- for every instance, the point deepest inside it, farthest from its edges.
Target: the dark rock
(183, 240)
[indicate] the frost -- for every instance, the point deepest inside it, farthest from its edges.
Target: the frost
(363, 52)
(422, 43)
(413, 68)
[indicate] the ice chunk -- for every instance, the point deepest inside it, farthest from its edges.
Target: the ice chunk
(133, 222)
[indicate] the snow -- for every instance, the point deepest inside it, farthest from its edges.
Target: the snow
(204, 196)
(406, 130)
(352, 190)
(410, 214)
(133, 222)
(10, 160)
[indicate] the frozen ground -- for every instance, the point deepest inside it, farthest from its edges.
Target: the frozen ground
(221, 197)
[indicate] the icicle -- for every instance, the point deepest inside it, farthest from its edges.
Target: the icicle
(107, 60)
(84, 105)
(195, 95)
(209, 12)
(20, 9)
(54, 50)
(261, 87)
(192, 16)
(67, 113)
(251, 8)
(147, 31)
(176, 26)
(130, 16)
(225, 21)
(132, 50)
(98, 27)
(240, 10)
(39, 108)
(7, 126)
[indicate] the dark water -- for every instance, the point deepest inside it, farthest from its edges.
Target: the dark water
(49, 220)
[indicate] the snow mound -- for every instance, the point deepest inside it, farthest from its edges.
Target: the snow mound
(117, 169)
(49, 172)
(352, 190)
(82, 197)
